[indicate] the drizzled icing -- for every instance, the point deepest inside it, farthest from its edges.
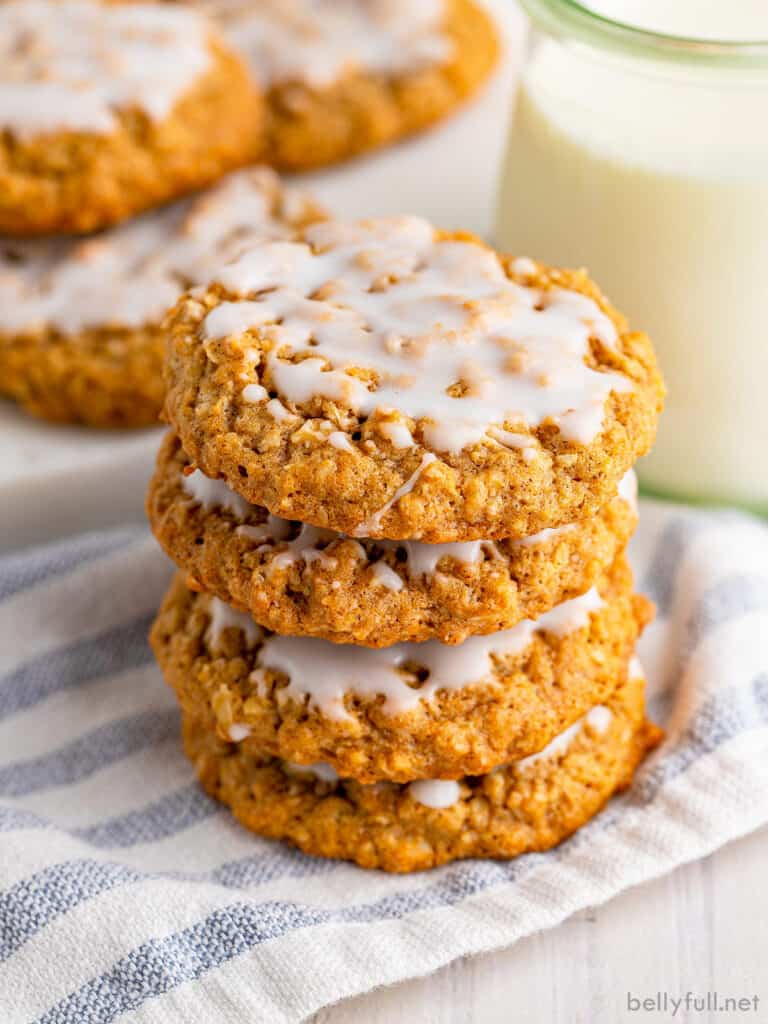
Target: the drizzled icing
(598, 718)
(318, 41)
(387, 577)
(223, 617)
(239, 731)
(324, 673)
(636, 670)
(130, 275)
(445, 337)
(435, 793)
(211, 493)
(69, 65)
(373, 522)
(420, 559)
(628, 489)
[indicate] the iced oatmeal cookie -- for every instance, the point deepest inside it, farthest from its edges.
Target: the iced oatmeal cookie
(342, 77)
(402, 712)
(80, 336)
(386, 380)
(107, 109)
(303, 580)
(529, 805)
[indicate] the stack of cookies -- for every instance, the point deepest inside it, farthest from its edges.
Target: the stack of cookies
(398, 486)
(109, 109)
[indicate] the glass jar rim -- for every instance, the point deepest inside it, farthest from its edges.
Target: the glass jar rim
(574, 20)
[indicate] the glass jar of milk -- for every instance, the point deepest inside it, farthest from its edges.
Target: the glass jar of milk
(639, 149)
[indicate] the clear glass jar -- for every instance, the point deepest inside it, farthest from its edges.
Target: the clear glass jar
(644, 157)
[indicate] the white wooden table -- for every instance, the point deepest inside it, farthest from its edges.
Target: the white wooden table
(704, 928)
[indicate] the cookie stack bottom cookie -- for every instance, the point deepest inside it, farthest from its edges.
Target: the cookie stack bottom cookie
(528, 805)
(236, 714)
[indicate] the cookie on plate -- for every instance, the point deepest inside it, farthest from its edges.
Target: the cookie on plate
(384, 379)
(344, 76)
(108, 109)
(529, 805)
(80, 336)
(302, 580)
(402, 712)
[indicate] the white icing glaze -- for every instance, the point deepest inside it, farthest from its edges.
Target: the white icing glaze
(628, 489)
(421, 559)
(387, 577)
(129, 276)
(255, 393)
(223, 617)
(508, 439)
(524, 266)
(325, 672)
(546, 535)
(373, 522)
(569, 616)
(214, 493)
(435, 793)
(68, 65)
(598, 718)
(320, 770)
(424, 316)
(636, 670)
(339, 440)
(276, 409)
(399, 435)
(318, 41)
(239, 731)
(305, 546)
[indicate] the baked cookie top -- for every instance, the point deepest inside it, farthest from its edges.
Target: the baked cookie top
(384, 379)
(527, 805)
(308, 581)
(406, 711)
(317, 42)
(70, 65)
(129, 276)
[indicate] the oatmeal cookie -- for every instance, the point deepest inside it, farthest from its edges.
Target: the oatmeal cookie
(385, 380)
(525, 806)
(108, 109)
(302, 580)
(80, 336)
(402, 712)
(342, 77)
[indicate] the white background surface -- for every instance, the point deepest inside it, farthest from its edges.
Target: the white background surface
(704, 928)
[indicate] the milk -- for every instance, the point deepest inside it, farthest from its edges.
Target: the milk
(654, 175)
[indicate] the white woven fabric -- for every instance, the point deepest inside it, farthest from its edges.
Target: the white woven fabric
(126, 894)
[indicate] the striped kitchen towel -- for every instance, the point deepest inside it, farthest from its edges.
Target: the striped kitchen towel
(126, 894)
